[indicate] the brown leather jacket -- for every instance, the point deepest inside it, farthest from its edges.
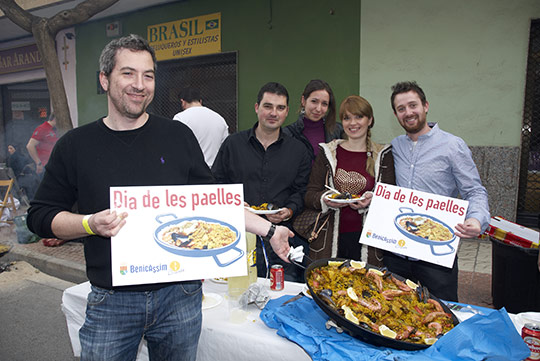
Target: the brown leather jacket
(326, 245)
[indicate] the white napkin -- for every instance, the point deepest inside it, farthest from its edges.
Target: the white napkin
(296, 254)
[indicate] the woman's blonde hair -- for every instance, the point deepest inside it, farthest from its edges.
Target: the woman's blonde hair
(358, 105)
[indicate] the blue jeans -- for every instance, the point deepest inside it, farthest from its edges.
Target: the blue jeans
(169, 319)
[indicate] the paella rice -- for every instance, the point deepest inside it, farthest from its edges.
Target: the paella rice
(426, 228)
(199, 235)
(262, 207)
(382, 304)
(344, 196)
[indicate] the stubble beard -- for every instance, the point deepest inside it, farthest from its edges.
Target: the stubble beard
(271, 126)
(420, 124)
(132, 111)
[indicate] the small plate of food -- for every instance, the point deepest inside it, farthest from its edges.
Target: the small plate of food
(265, 208)
(221, 280)
(346, 197)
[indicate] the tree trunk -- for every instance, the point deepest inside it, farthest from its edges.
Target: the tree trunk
(44, 31)
(47, 47)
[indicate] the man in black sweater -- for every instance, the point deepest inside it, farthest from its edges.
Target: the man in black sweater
(128, 147)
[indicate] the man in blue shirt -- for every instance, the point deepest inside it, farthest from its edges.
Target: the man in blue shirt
(429, 159)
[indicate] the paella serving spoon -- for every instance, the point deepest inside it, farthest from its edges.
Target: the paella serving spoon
(297, 297)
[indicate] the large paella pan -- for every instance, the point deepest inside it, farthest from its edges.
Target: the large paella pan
(377, 306)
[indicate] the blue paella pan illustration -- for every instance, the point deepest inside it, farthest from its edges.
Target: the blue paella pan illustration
(178, 236)
(423, 228)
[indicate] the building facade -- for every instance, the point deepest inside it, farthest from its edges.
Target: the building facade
(470, 58)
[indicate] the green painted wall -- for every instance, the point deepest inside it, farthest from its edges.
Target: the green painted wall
(469, 56)
(292, 43)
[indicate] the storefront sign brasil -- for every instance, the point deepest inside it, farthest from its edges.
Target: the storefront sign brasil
(187, 37)
(20, 58)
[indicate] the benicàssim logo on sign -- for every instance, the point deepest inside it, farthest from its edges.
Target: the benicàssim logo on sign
(123, 270)
(142, 268)
(174, 266)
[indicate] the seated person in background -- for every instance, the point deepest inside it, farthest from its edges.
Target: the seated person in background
(16, 160)
(317, 120)
(353, 165)
(23, 169)
(273, 167)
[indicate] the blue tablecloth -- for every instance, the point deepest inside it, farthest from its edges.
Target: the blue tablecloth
(491, 336)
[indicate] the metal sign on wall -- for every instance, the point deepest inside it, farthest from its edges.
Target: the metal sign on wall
(186, 37)
(20, 58)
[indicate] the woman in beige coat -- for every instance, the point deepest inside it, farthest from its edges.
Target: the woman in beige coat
(352, 165)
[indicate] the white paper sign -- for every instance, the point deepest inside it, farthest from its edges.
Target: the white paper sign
(177, 233)
(414, 223)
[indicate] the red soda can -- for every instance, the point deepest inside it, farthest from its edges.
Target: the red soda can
(277, 277)
(531, 335)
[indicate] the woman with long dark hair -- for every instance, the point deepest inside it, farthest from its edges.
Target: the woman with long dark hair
(317, 120)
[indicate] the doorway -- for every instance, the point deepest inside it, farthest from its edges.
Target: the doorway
(214, 75)
(529, 177)
(24, 107)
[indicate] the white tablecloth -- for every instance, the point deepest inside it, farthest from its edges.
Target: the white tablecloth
(220, 338)
(224, 340)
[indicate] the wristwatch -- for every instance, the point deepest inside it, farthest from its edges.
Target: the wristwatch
(270, 233)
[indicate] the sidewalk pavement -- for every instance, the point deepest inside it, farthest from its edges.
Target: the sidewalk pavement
(67, 262)
(34, 326)
(474, 279)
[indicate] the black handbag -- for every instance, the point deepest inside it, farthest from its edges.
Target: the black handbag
(311, 222)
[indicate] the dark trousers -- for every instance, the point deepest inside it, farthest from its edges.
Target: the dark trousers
(349, 246)
(441, 281)
(292, 272)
